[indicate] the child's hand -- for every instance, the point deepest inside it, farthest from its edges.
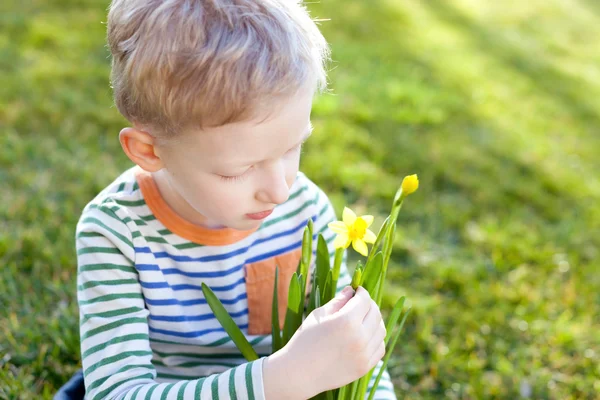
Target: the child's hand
(337, 343)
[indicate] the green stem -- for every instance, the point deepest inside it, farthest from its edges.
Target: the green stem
(353, 388)
(386, 358)
(342, 393)
(337, 263)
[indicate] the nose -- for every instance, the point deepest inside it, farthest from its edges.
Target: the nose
(274, 188)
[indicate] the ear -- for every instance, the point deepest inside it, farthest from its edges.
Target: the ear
(140, 148)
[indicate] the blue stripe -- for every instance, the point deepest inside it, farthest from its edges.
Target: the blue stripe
(159, 285)
(201, 317)
(192, 334)
(274, 253)
(223, 273)
(225, 256)
(284, 233)
(192, 302)
(175, 271)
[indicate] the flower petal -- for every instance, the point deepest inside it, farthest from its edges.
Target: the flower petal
(341, 241)
(369, 237)
(348, 216)
(360, 246)
(368, 219)
(338, 227)
(410, 184)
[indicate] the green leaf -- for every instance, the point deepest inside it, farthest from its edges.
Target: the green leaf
(317, 297)
(323, 261)
(393, 318)
(372, 273)
(312, 297)
(327, 290)
(275, 330)
(293, 308)
(229, 324)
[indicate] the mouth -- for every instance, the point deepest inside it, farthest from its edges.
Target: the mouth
(259, 215)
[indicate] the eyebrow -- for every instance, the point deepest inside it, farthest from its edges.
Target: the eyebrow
(307, 134)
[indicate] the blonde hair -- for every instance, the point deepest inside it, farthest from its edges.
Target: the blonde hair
(181, 64)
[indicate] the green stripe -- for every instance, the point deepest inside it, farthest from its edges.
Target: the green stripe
(166, 391)
(105, 250)
(112, 325)
(213, 344)
(101, 381)
(102, 394)
(110, 297)
(89, 234)
(112, 313)
(164, 232)
(199, 385)
(155, 239)
(325, 207)
(101, 267)
(136, 392)
(297, 193)
(115, 358)
(232, 393)
(146, 218)
(214, 388)
(115, 282)
(186, 246)
(105, 209)
(176, 377)
(96, 221)
(193, 364)
(135, 186)
(131, 203)
(288, 215)
(212, 356)
(249, 383)
(121, 187)
(149, 394)
(181, 391)
(118, 339)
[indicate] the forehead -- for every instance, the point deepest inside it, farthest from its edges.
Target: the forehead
(259, 139)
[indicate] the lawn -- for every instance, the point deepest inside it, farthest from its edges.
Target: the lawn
(495, 105)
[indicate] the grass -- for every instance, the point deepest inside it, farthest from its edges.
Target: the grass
(494, 104)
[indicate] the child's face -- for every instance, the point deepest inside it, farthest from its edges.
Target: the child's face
(228, 172)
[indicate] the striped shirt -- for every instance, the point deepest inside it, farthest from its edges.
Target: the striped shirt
(146, 329)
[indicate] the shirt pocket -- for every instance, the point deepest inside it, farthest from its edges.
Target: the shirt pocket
(260, 281)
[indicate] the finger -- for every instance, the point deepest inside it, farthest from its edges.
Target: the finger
(377, 356)
(372, 315)
(376, 340)
(358, 306)
(338, 302)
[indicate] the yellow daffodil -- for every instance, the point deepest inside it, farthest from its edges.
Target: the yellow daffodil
(410, 184)
(353, 229)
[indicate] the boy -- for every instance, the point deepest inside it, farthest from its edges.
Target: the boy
(219, 94)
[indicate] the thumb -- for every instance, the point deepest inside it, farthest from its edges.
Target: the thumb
(335, 304)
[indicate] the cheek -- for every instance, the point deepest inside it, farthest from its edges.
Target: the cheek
(219, 199)
(292, 171)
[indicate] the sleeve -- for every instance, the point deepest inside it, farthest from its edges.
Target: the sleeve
(115, 347)
(326, 214)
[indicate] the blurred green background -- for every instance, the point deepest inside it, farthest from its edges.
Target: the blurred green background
(495, 105)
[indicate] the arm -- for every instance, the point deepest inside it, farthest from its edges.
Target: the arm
(115, 347)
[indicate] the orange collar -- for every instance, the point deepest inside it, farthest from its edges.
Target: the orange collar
(179, 226)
